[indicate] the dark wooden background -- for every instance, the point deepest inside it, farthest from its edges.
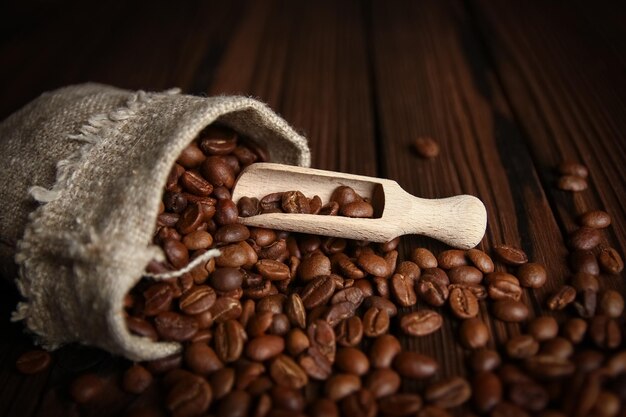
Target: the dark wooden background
(508, 88)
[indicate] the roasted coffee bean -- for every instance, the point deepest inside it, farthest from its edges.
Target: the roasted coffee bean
(176, 253)
(559, 347)
(421, 323)
(217, 171)
(226, 212)
(262, 348)
(532, 275)
(221, 193)
(546, 366)
(225, 308)
(343, 195)
(350, 331)
(141, 327)
(198, 240)
(248, 206)
(272, 270)
(191, 156)
(287, 373)
(507, 409)
(236, 403)
(425, 147)
(157, 299)
(280, 325)
(573, 168)
(218, 140)
(315, 364)
(607, 404)
(323, 407)
(588, 360)
(543, 328)
(597, 219)
(233, 256)
(448, 393)
(409, 269)
(360, 404)
(189, 396)
(247, 372)
(295, 310)
(571, 183)
(451, 258)
(586, 307)
(375, 322)
(465, 274)
(575, 329)
(529, 395)
(289, 399)
(33, 362)
(339, 386)
(348, 267)
(463, 303)
(612, 304)
(585, 238)
(351, 294)
(197, 300)
(424, 258)
(564, 296)
(510, 255)
(136, 379)
(402, 289)
(479, 291)
(432, 290)
(329, 209)
(384, 350)
(314, 266)
(373, 264)
(195, 184)
(486, 391)
(473, 333)
(173, 326)
(510, 310)
(232, 233)
(166, 364)
(584, 261)
(86, 388)
(191, 219)
(295, 202)
(202, 359)
(382, 286)
(616, 365)
(352, 360)
(336, 313)
(318, 291)
(381, 303)
(383, 382)
(484, 360)
(226, 278)
(173, 176)
(357, 209)
(414, 365)
(522, 346)
(480, 260)
(229, 339)
(400, 404)
(174, 202)
(611, 261)
(605, 332)
(322, 337)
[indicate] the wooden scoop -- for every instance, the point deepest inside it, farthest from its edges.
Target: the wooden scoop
(459, 221)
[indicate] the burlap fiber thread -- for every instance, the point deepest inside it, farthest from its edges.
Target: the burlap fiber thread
(83, 172)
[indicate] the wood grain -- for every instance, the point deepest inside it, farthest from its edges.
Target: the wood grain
(508, 89)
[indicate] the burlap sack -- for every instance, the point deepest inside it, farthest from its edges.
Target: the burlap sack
(98, 157)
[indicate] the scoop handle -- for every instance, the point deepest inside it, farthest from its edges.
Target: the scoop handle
(459, 221)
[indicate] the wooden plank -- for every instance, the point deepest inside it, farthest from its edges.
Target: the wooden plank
(432, 79)
(566, 85)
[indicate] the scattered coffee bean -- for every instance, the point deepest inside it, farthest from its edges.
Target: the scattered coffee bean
(425, 147)
(543, 328)
(421, 323)
(611, 261)
(510, 310)
(532, 275)
(86, 388)
(510, 255)
(571, 183)
(473, 333)
(448, 393)
(33, 362)
(463, 303)
(136, 379)
(414, 365)
(585, 238)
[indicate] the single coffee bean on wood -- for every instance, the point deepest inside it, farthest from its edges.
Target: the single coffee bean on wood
(33, 362)
(510, 255)
(425, 147)
(597, 219)
(585, 238)
(532, 275)
(611, 261)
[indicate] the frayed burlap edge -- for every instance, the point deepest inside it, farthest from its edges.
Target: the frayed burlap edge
(57, 267)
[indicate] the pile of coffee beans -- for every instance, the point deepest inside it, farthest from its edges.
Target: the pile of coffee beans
(573, 176)
(287, 324)
(344, 201)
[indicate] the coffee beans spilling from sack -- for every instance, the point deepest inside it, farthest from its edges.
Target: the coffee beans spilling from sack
(291, 324)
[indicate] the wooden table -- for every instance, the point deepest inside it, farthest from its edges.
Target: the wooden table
(508, 89)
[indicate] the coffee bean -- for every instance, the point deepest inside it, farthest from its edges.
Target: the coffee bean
(575, 329)
(383, 382)
(616, 365)
(225, 308)
(480, 260)
(236, 403)
(529, 395)
(166, 364)
(465, 274)
(607, 404)
(400, 404)
(532, 275)
(451, 258)
(141, 327)
(510, 255)
(189, 396)
(217, 171)
(381, 303)
(33, 362)
(352, 360)
(226, 212)
(425, 147)
(522, 346)
(414, 365)
(424, 258)
(229, 340)
(421, 323)
(272, 270)
(197, 300)
(605, 332)
(176, 253)
(233, 256)
(611, 261)
(360, 404)
(295, 202)
(463, 303)
(287, 373)
(510, 310)
(247, 372)
(265, 347)
(375, 322)
(174, 326)
(543, 328)
(449, 392)
(248, 206)
(506, 409)
(484, 360)
(573, 168)
(232, 233)
(315, 364)
(195, 184)
(314, 266)
(136, 379)
(322, 337)
(226, 279)
(318, 291)
(571, 183)
(218, 140)
(584, 261)
(357, 209)
(559, 347)
(486, 390)
(503, 286)
(191, 156)
(612, 304)
(288, 399)
(323, 407)
(432, 290)
(86, 388)
(373, 264)
(546, 366)
(350, 331)
(202, 359)
(338, 312)
(473, 333)
(402, 289)
(192, 218)
(339, 386)
(597, 219)
(384, 350)
(564, 296)
(585, 238)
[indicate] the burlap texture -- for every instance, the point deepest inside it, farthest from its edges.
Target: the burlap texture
(98, 157)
